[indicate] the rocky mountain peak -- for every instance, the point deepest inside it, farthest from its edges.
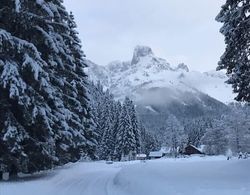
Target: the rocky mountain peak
(147, 71)
(182, 66)
(141, 51)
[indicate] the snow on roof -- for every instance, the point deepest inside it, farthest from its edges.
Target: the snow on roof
(194, 146)
(151, 109)
(199, 149)
(141, 155)
(155, 154)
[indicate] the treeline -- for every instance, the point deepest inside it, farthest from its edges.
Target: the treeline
(230, 131)
(121, 135)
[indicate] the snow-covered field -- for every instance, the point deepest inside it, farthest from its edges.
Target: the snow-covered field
(190, 176)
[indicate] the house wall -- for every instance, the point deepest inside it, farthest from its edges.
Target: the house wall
(191, 150)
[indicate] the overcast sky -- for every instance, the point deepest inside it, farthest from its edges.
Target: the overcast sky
(177, 30)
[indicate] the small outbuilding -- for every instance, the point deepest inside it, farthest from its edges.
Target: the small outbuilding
(155, 155)
(141, 157)
(191, 149)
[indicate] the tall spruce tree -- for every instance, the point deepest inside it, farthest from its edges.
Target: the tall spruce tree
(235, 15)
(195, 129)
(106, 149)
(175, 135)
(105, 117)
(43, 87)
(135, 125)
(125, 140)
(215, 139)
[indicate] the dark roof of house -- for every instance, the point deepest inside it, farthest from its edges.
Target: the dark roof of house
(191, 149)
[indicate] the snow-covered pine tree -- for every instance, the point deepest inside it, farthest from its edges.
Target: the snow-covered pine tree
(107, 143)
(149, 143)
(96, 103)
(107, 146)
(26, 119)
(116, 113)
(43, 84)
(106, 116)
(125, 140)
(235, 15)
(215, 139)
(104, 113)
(80, 81)
(195, 129)
(116, 122)
(135, 126)
(175, 135)
(246, 135)
(237, 124)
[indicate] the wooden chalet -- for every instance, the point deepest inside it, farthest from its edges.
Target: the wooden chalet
(190, 149)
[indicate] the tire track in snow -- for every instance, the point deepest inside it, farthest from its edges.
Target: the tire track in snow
(96, 182)
(102, 183)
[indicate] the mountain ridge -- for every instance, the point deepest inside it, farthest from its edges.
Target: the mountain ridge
(160, 90)
(146, 70)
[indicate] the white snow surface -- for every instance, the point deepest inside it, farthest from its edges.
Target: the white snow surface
(189, 176)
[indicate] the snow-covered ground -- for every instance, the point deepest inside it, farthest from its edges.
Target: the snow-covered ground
(190, 176)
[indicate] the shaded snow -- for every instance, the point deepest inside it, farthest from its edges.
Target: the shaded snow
(17, 5)
(190, 176)
(10, 78)
(36, 68)
(151, 109)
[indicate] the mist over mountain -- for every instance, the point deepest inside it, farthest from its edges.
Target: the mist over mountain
(145, 71)
(160, 89)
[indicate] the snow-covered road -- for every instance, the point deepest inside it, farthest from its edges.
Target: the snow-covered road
(192, 176)
(91, 178)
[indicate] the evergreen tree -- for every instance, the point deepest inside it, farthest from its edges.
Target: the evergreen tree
(237, 127)
(116, 123)
(215, 139)
(175, 136)
(106, 115)
(125, 141)
(116, 113)
(97, 106)
(195, 129)
(43, 84)
(149, 143)
(135, 126)
(106, 149)
(236, 29)
(24, 84)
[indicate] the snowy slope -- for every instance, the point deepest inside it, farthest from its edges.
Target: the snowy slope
(146, 71)
(191, 176)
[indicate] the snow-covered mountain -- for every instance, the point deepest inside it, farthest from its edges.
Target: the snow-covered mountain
(147, 71)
